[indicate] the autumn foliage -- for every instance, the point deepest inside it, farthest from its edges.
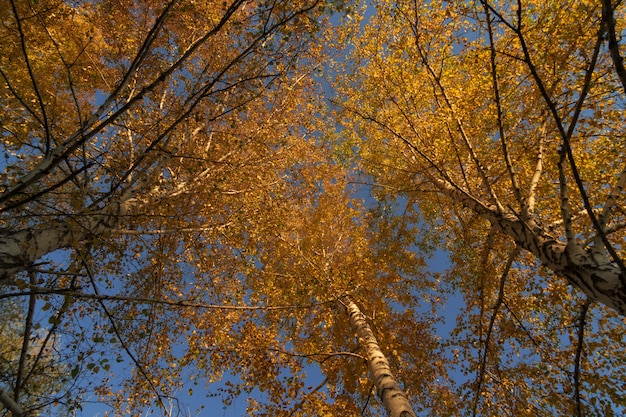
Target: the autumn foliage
(240, 200)
(500, 123)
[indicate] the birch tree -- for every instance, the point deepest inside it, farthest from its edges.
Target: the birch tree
(387, 388)
(330, 249)
(501, 125)
(142, 144)
(102, 107)
(159, 158)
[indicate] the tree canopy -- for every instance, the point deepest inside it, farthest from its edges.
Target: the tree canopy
(501, 123)
(242, 198)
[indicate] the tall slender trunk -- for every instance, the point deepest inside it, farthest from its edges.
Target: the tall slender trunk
(387, 388)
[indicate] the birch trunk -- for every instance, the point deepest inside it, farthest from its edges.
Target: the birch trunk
(387, 388)
(20, 249)
(586, 268)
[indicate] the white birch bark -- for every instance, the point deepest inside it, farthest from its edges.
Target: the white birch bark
(589, 269)
(387, 388)
(20, 249)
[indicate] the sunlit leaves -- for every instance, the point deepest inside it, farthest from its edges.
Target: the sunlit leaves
(155, 143)
(464, 108)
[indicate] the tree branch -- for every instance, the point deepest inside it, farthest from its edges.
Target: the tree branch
(34, 290)
(10, 404)
(28, 325)
(577, 360)
(608, 19)
(305, 399)
(31, 74)
(125, 346)
(325, 355)
(567, 134)
(496, 308)
(503, 136)
(534, 182)
(482, 170)
(81, 136)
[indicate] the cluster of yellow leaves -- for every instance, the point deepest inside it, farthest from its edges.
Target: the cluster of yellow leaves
(185, 125)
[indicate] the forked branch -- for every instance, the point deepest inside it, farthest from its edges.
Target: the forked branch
(566, 135)
(482, 170)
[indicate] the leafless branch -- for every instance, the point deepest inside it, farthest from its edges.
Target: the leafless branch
(415, 150)
(530, 336)
(566, 209)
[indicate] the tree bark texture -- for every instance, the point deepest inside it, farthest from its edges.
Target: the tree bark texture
(588, 269)
(20, 249)
(387, 388)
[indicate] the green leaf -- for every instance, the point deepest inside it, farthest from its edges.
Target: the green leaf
(74, 372)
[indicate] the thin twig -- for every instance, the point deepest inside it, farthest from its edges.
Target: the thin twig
(122, 342)
(305, 399)
(367, 399)
(482, 170)
(35, 290)
(31, 74)
(325, 355)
